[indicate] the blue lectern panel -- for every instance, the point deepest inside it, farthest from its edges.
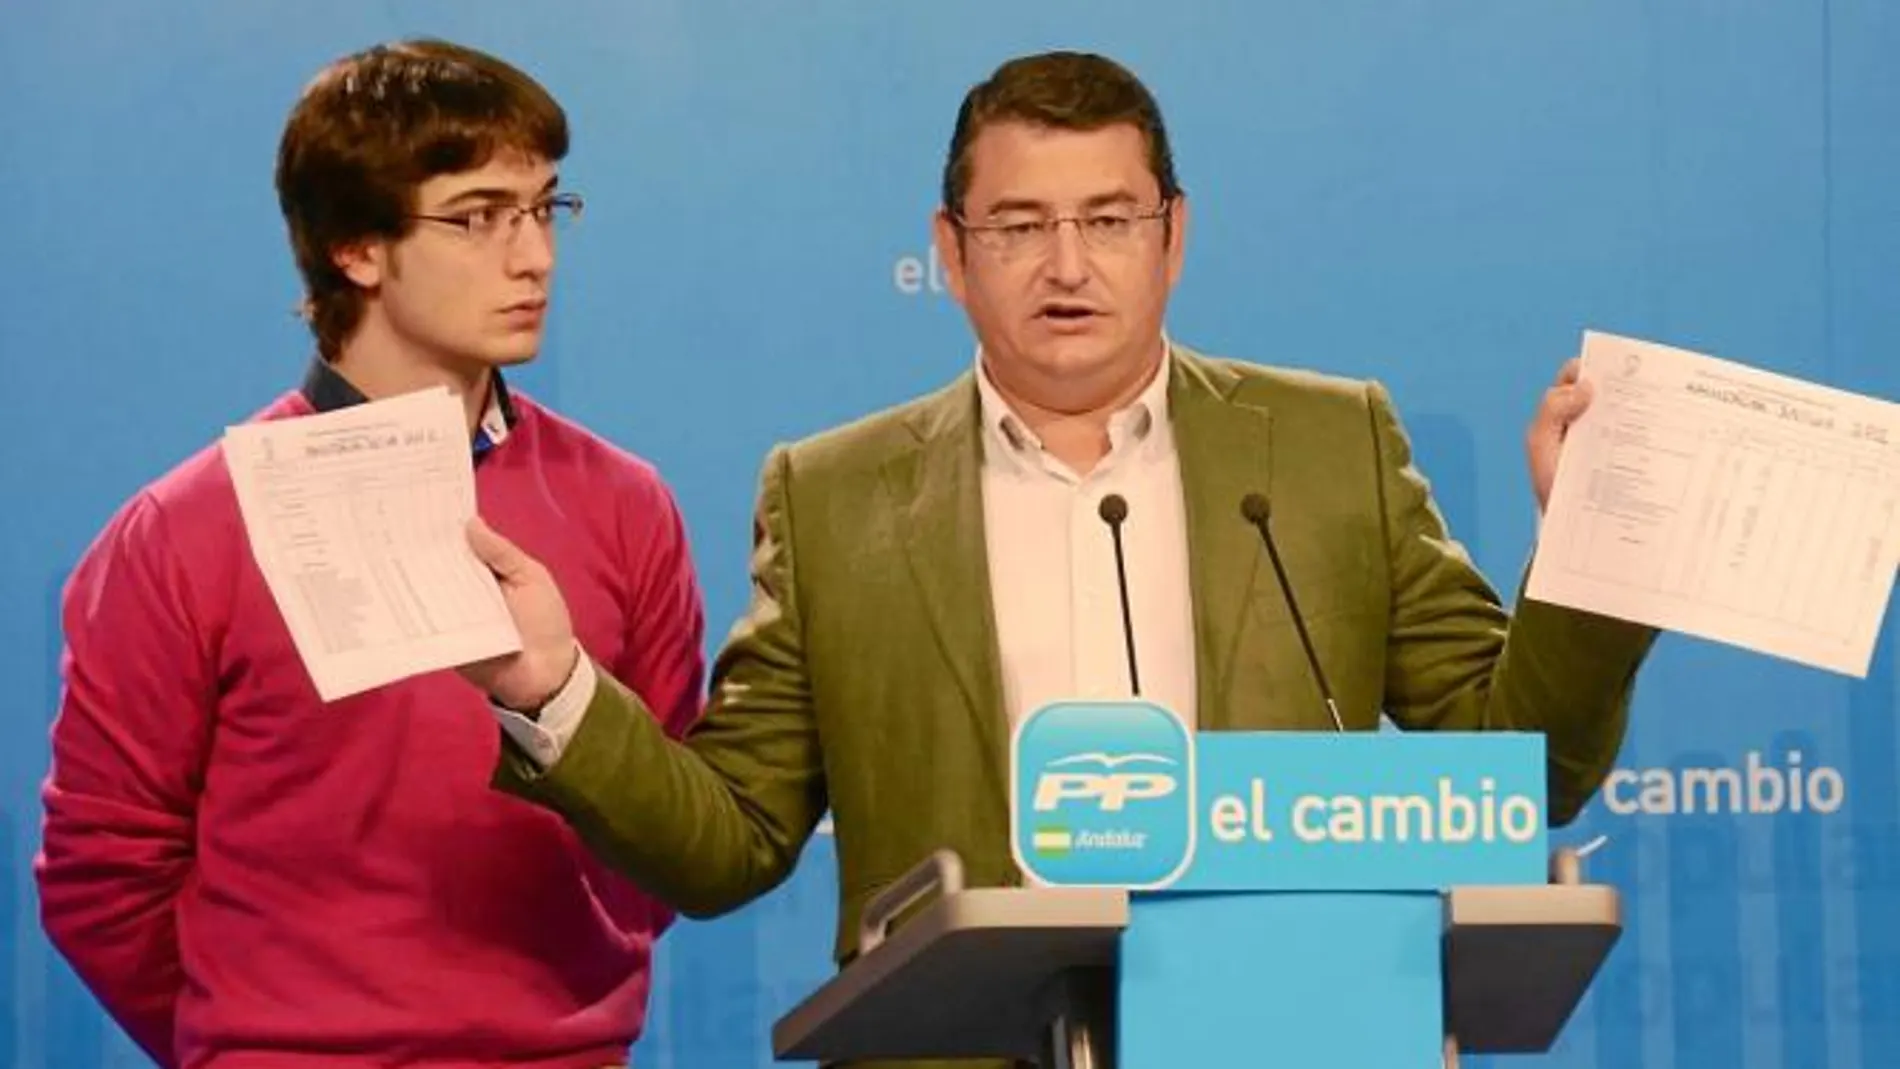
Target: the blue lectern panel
(1341, 981)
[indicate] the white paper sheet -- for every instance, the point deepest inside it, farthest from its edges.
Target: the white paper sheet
(358, 520)
(1702, 496)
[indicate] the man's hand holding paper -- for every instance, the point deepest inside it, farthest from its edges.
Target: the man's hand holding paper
(1702, 496)
(358, 519)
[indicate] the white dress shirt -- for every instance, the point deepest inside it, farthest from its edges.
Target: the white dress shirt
(1053, 590)
(1053, 586)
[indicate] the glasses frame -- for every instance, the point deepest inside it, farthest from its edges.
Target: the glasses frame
(1040, 234)
(548, 212)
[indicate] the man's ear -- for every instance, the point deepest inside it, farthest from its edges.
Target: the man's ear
(948, 238)
(364, 263)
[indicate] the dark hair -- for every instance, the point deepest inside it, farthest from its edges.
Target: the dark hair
(370, 129)
(1063, 90)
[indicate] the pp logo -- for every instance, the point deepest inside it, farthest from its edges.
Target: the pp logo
(1102, 795)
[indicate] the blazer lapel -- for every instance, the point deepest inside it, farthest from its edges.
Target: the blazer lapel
(1223, 449)
(939, 488)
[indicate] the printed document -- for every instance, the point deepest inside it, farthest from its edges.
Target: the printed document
(1718, 500)
(358, 520)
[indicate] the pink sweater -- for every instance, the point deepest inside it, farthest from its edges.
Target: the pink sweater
(247, 878)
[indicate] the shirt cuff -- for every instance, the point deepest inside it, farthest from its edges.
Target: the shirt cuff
(545, 737)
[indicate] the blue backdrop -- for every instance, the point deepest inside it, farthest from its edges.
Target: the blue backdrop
(1441, 194)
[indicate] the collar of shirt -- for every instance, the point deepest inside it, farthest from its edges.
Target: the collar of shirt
(327, 390)
(1007, 439)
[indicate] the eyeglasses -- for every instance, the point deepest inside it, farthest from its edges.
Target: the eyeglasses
(491, 223)
(1104, 230)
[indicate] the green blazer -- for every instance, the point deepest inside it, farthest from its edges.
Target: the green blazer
(864, 675)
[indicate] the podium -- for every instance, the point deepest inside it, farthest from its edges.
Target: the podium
(1028, 973)
(1298, 952)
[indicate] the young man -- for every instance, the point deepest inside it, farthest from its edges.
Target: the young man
(925, 576)
(249, 878)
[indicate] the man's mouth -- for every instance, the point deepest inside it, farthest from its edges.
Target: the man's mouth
(1066, 311)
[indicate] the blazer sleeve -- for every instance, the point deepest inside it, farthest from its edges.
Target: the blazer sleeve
(713, 822)
(1457, 661)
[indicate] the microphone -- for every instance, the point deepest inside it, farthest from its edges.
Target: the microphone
(1114, 510)
(1253, 508)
